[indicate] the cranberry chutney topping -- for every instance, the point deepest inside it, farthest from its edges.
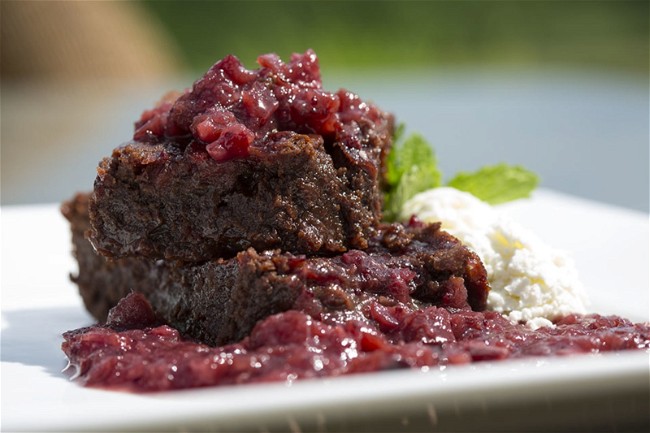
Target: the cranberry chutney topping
(134, 352)
(231, 108)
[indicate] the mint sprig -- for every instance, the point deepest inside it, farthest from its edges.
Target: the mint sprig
(412, 167)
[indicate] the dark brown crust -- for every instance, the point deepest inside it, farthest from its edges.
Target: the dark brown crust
(220, 301)
(293, 194)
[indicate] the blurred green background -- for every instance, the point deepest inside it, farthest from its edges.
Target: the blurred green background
(560, 87)
(363, 34)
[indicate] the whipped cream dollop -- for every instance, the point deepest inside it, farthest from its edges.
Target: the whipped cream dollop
(530, 281)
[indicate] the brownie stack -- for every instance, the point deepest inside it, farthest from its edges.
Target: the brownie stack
(256, 192)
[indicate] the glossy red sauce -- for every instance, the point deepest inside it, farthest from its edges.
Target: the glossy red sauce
(132, 352)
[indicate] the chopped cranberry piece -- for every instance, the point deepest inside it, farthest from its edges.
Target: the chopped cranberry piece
(259, 103)
(132, 312)
(384, 316)
(208, 127)
(152, 123)
(235, 70)
(232, 143)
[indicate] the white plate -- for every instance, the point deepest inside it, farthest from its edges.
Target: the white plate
(610, 246)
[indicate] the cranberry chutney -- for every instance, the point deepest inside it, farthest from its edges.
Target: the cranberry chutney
(232, 108)
(133, 352)
(238, 238)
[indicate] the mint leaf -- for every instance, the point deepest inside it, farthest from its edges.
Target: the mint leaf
(411, 167)
(497, 184)
(413, 151)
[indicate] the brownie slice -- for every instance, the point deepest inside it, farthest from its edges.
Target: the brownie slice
(220, 301)
(157, 201)
(264, 159)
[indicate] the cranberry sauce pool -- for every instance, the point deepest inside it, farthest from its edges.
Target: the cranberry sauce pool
(132, 353)
(230, 108)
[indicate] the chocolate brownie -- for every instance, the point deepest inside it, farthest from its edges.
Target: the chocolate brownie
(264, 159)
(220, 301)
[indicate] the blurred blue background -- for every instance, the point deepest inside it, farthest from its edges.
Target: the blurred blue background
(560, 87)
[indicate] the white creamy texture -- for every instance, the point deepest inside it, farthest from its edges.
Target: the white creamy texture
(530, 281)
